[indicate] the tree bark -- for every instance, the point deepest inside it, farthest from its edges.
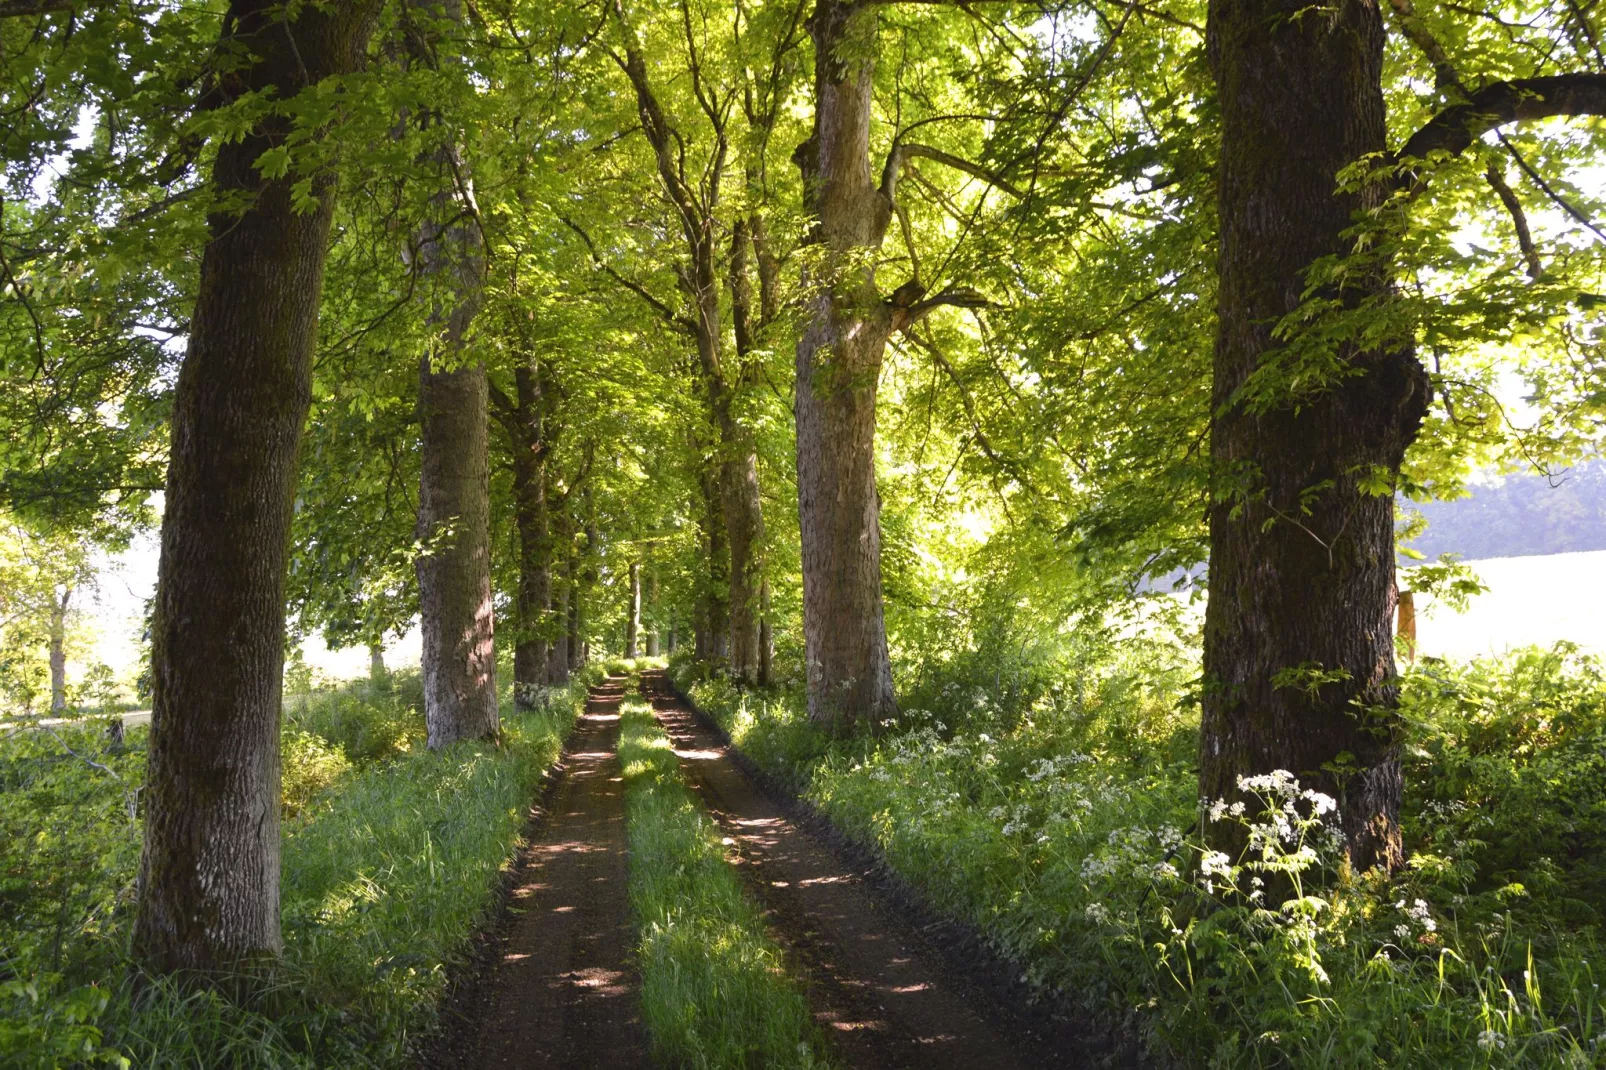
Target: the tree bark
(58, 649)
(377, 673)
(454, 574)
(713, 638)
(525, 429)
(1298, 658)
(1405, 633)
(633, 618)
(766, 641)
(652, 603)
(557, 663)
(209, 875)
(839, 356)
(454, 501)
(579, 638)
(744, 505)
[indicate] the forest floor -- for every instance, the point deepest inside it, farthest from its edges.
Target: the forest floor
(559, 988)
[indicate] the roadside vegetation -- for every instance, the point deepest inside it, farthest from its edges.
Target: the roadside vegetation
(1060, 820)
(715, 992)
(392, 855)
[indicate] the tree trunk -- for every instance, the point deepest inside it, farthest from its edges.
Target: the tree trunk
(652, 624)
(572, 645)
(1405, 634)
(580, 639)
(766, 641)
(839, 355)
(713, 640)
(209, 875)
(530, 652)
(58, 650)
(633, 619)
(696, 200)
(1297, 632)
(377, 672)
(744, 505)
(454, 501)
(557, 654)
(454, 575)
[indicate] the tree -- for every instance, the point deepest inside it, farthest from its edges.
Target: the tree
(40, 572)
(633, 614)
(209, 875)
(454, 566)
(839, 355)
(694, 189)
(523, 417)
(1298, 654)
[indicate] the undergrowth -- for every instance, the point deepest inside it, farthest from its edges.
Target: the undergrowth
(391, 858)
(1064, 826)
(714, 991)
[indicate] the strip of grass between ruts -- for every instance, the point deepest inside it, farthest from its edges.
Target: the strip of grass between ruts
(714, 991)
(387, 874)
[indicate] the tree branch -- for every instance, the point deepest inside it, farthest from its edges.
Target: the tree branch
(909, 308)
(903, 151)
(1455, 128)
(669, 315)
(1539, 180)
(1519, 220)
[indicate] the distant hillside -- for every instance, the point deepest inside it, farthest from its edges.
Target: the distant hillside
(1522, 517)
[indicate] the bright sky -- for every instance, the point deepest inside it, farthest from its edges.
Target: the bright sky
(128, 579)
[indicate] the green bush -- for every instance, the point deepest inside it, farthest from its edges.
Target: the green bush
(369, 723)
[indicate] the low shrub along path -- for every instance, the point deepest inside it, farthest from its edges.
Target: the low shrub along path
(876, 988)
(563, 993)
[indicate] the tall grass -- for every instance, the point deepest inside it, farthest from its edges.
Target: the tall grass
(391, 859)
(714, 989)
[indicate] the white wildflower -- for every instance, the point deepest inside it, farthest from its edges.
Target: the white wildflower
(1322, 804)
(1489, 1040)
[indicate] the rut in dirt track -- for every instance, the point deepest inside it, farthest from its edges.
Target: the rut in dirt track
(882, 994)
(563, 992)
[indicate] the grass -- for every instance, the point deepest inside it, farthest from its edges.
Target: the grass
(392, 856)
(715, 993)
(1064, 830)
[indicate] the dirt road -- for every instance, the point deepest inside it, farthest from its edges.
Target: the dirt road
(563, 993)
(884, 996)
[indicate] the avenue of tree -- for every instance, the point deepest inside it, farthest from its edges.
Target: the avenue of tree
(703, 322)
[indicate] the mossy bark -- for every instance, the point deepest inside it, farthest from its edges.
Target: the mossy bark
(209, 875)
(1298, 655)
(839, 356)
